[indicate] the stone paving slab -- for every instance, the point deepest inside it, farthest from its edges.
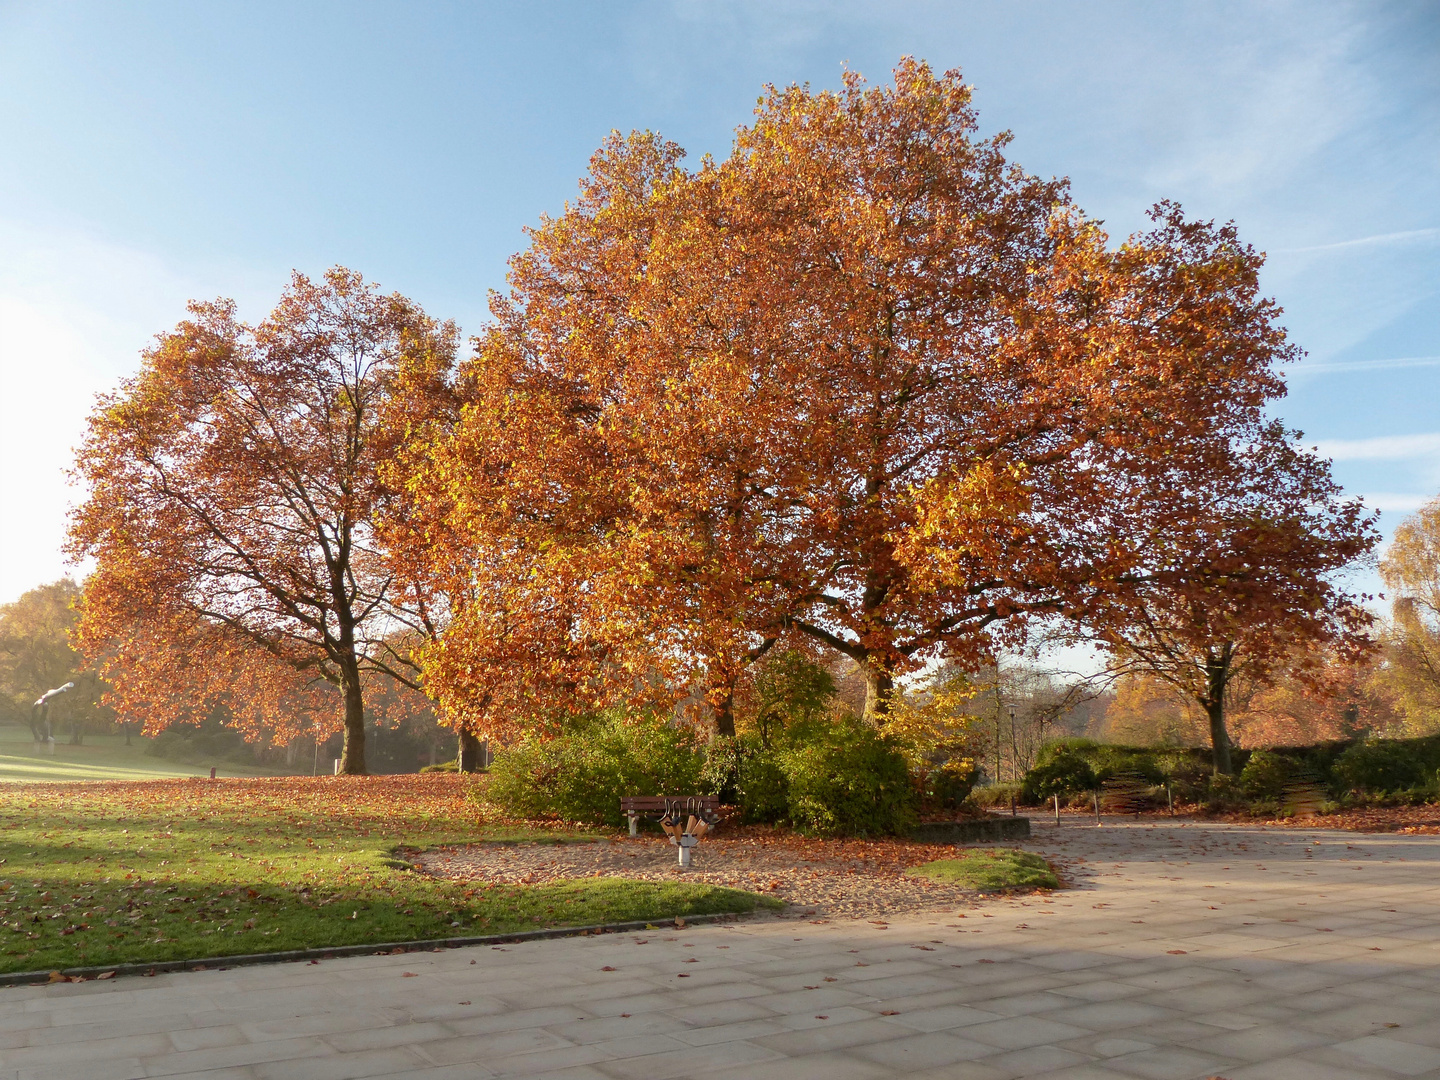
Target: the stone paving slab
(1186, 951)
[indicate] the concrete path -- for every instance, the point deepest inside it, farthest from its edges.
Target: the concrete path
(1188, 951)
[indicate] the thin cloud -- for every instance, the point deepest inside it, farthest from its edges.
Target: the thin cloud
(1368, 241)
(1382, 448)
(1395, 502)
(1330, 367)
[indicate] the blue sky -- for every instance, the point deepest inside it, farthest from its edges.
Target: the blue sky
(155, 152)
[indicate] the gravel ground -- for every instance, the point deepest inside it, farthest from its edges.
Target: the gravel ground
(817, 878)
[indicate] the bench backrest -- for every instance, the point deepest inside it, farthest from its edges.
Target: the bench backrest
(652, 803)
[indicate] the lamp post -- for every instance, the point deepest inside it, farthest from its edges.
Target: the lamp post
(1014, 762)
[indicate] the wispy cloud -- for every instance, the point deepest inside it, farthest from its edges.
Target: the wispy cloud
(1395, 502)
(1382, 448)
(1407, 236)
(1336, 366)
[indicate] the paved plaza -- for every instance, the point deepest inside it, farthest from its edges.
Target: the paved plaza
(1186, 951)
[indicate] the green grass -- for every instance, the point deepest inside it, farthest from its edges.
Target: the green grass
(107, 873)
(990, 870)
(100, 757)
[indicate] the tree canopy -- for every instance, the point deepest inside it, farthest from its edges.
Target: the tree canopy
(1247, 584)
(865, 386)
(231, 487)
(1411, 569)
(864, 382)
(36, 656)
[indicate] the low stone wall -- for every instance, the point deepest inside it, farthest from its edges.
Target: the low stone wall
(970, 832)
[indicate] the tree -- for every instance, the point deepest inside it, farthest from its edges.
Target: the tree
(231, 488)
(1335, 698)
(36, 656)
(787, 688)
(1147, 711)
(1243, 585)
(865, 382)
(1411, 570)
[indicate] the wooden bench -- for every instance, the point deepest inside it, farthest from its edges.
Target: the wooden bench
(685, 818)
(705, 808)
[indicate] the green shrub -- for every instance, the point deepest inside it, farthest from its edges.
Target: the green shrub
(582, 773)
(1187, 776)
(764, 789)
(950, 785)
(790, 688)
(1224, 792)
(844, 778)
(744, 772)
(720, 775)
(1266, 776)
(1125, 761)
(993, 795)
(1060, 769)
(1379, 765)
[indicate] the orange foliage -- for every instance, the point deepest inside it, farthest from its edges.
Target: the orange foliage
(231, 486)
(1146, 711)
(1331, 699)
(864, 382)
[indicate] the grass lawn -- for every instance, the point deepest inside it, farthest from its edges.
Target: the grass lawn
(100, 757)
(991, 870)
(113, 872)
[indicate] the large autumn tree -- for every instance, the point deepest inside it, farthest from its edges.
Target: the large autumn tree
(865, 381)
(231, 489)
(1245, 583)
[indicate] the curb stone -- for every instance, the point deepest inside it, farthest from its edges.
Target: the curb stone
(214, 963)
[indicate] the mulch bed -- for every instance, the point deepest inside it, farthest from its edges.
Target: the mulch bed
(1377, 819)
(1398, 819)
(824, 878)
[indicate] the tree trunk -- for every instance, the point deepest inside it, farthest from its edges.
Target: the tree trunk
(468, 758)
(878, 688)
(1217, 676)
(352, 755)
(725, 714)
(1219, 737)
